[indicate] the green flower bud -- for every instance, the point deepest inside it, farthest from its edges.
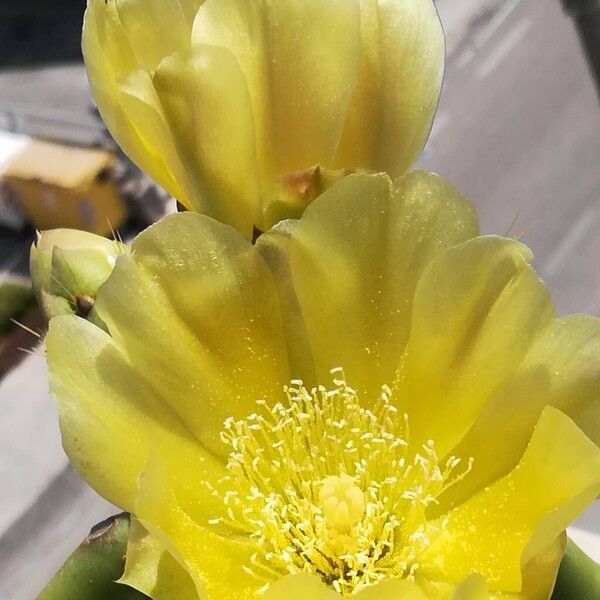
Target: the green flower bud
(68, 267)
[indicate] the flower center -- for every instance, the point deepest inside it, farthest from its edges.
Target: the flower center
(327, 486)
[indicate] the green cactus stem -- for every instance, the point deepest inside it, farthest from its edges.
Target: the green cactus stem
(91, 571)
(578, 577)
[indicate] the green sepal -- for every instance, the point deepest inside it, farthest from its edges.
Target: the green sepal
(578, 576)
(91, 571)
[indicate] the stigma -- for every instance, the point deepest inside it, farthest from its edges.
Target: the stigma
(330, 486)
(342, 503)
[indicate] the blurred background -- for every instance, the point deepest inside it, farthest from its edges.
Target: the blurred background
(518, 131)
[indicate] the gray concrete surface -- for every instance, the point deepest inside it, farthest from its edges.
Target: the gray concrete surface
(52, 101)
(518, 131)
(37, 544)
(31, 456)
(45, 508)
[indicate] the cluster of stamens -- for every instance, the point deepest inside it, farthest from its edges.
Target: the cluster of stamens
(329, 487)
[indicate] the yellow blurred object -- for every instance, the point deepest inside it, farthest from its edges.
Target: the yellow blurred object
(61, 186)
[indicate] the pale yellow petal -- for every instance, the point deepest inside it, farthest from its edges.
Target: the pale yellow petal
(240, 26)
(190, 8)
(110, 61)
(300, 59)
(158, 155)
(195, 308)
(562, 369)
(400, 78)
(517, 518)
(110, 418)
(162, 28)
(102, 30)
(214, 562)
(478, 308)
(314, 49)
(206, 105)
(150, 569)
(356, 257)
(572, 354)
(274, 247)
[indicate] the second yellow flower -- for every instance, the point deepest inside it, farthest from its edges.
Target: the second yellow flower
(246, 110)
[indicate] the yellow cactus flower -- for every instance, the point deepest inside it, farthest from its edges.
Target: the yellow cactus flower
(371, 402)
(246, 110)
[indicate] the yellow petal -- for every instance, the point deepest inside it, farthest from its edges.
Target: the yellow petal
(572, 353)
(314, 49)
(150, 569)
(562, 369)
(355, 259)
(274, 246)
(399, 82)
(110, 418)
(195, 308)
(392, 589)
(477, 310)
(539, 574)
(518, 518)
(300, 587)
(162, 28)
(110, 59)
(207, 108)
(300, 60)
(158, 155)
(213, 562)
(474, 587)
(310, 587)
(240, 26)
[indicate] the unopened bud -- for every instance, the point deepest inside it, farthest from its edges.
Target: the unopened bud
(68, 267)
